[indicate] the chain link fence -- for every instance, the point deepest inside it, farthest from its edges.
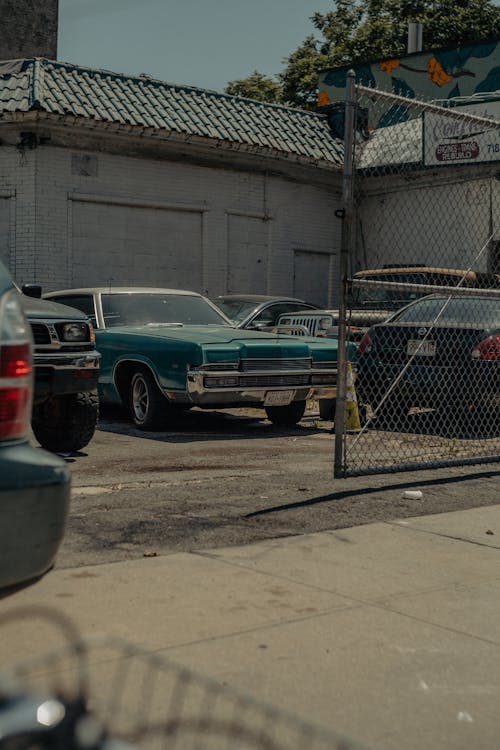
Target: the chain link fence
(420, 270)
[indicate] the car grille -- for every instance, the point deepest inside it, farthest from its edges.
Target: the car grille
(41, 333)
(254, 365)
(309, 322)
(268, 381)
(327, 365)
(219, 366)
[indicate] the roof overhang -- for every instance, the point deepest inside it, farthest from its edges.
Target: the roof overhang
(87, 134)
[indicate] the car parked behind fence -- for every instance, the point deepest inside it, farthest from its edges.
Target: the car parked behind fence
(438, 352)
(34, 485)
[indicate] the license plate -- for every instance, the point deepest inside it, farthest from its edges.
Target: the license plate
(278, 398)
(421, 348)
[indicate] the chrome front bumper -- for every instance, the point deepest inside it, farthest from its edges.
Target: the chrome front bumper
(247, 389)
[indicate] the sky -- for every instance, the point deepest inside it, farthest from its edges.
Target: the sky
(203, 43)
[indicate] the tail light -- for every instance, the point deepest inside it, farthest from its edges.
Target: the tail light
(365, 344)
(488, 348)
(16, 386)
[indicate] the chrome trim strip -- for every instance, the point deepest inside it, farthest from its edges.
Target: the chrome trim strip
(68, 361)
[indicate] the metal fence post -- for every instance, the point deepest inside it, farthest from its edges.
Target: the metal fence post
(345, 251)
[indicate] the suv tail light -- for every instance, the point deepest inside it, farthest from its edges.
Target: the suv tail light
(365, 344)
(16, 386)
(488, 348)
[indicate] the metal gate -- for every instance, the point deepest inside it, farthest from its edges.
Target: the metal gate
(422, 212)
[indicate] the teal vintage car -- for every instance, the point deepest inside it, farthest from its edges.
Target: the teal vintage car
(165, 350)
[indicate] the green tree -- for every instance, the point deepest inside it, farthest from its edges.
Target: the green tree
(256, 86)
(357, 31)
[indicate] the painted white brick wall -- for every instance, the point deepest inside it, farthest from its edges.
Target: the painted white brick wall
(439, 224)
(297, 215)
(431, 221)
(18, 227)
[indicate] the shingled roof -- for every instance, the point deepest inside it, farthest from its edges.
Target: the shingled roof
(154, 106)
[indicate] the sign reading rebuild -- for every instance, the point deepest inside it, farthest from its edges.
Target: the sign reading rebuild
(452, 140)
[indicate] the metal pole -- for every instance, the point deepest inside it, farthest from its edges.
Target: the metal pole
(345, 250)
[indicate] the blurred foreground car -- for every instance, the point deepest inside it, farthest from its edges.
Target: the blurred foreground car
(34, 485)
(443, 351)
(165, 350)
(258, 311)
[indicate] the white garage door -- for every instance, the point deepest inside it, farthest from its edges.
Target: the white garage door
(136, 245)
(247, 255)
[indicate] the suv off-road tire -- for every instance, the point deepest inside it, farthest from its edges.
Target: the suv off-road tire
(286, 416)
(66, 423)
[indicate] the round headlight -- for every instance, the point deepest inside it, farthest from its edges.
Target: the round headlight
(325, 322)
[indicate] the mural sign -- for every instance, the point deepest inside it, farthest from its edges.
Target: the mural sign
(448, 140)
(437, 74)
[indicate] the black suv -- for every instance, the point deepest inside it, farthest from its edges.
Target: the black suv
(65, 404)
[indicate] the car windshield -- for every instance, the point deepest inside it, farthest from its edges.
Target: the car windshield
(464, 312)
(236, 309)
(149, 309)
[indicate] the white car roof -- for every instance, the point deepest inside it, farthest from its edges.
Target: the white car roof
(122, 290)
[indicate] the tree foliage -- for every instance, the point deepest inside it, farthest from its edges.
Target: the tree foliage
(357, 31)
(256, 86)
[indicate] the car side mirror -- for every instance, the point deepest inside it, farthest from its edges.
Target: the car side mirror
(32, 290)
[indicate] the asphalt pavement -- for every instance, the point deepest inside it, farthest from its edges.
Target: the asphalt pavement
(387, 633)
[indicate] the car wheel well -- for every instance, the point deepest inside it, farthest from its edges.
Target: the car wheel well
(123, 377)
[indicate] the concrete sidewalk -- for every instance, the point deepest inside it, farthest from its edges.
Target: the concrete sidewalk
(388, 633)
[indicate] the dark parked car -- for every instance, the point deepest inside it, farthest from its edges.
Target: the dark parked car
(258, 311)
(441, 352)
(34, 485)
(165, 350)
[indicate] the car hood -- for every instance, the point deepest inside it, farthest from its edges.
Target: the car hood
(44, 308)
(260, 343)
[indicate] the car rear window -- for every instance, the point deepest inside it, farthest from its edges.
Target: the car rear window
(469, 312)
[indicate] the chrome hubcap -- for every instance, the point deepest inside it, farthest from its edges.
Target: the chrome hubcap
(140, 399)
